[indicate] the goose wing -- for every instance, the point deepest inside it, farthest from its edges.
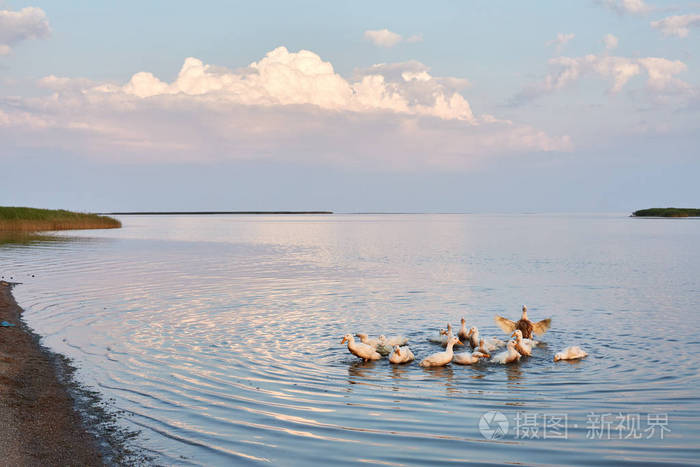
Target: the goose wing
(541, 327)
(505, 324)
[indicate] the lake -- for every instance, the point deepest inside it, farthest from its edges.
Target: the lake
(219, 336)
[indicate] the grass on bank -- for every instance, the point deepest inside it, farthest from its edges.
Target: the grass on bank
(667, 212)
(16, 219)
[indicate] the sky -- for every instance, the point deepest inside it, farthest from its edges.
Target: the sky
(401, 106)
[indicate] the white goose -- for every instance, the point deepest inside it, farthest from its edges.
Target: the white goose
(384, 347)
(523, 347)
(463, 334)
(468, 358)
(507, 356)
(490, 343)
(442, 336)
(437, 338)
(395, 340)
(380, 344)
(570, 353)
(365, 339)
(364, 351)
(401, 355)
(441, 358)
(447, 335)
(482, 351)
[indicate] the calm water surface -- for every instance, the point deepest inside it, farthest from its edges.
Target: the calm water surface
(219, 336)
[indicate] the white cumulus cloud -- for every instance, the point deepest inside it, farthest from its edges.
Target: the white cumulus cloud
(677, 25)
(287, 105)
(627, 6)
(386, 38)
(303, 78)
(660, 73)
(610, 42)
(17, 26)
(561, 40)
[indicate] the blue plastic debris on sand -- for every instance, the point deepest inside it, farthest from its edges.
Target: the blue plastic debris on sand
(5, 324)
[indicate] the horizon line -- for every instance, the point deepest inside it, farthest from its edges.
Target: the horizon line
(160, 213)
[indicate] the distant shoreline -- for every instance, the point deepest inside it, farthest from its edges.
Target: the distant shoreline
(667, 212)
(207, 213)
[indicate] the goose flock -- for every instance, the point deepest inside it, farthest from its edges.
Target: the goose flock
(520, 345)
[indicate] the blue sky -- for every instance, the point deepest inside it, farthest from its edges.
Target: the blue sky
(589, 105)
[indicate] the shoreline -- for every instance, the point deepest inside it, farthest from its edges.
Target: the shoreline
(46, 417)
(24, 219)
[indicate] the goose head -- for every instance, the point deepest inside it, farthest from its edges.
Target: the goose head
(397, 350)
(453, 341)
(518, 334)
(347, 338)
(524, 312)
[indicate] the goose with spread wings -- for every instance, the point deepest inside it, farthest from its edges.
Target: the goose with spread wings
(525, 326)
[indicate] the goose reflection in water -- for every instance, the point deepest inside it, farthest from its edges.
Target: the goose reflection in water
(360, 372)
(365, 374)
(444, 374)
(398, 373)
(514, 374)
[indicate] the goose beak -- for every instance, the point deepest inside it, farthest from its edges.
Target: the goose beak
(513, 335)
(344, 339)
(459, 343)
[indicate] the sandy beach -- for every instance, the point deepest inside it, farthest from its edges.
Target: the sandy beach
(38, 422)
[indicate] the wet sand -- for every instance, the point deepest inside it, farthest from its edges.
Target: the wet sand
(38, 421)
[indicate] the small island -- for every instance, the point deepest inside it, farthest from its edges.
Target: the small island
(667, 212)
(21, 219)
